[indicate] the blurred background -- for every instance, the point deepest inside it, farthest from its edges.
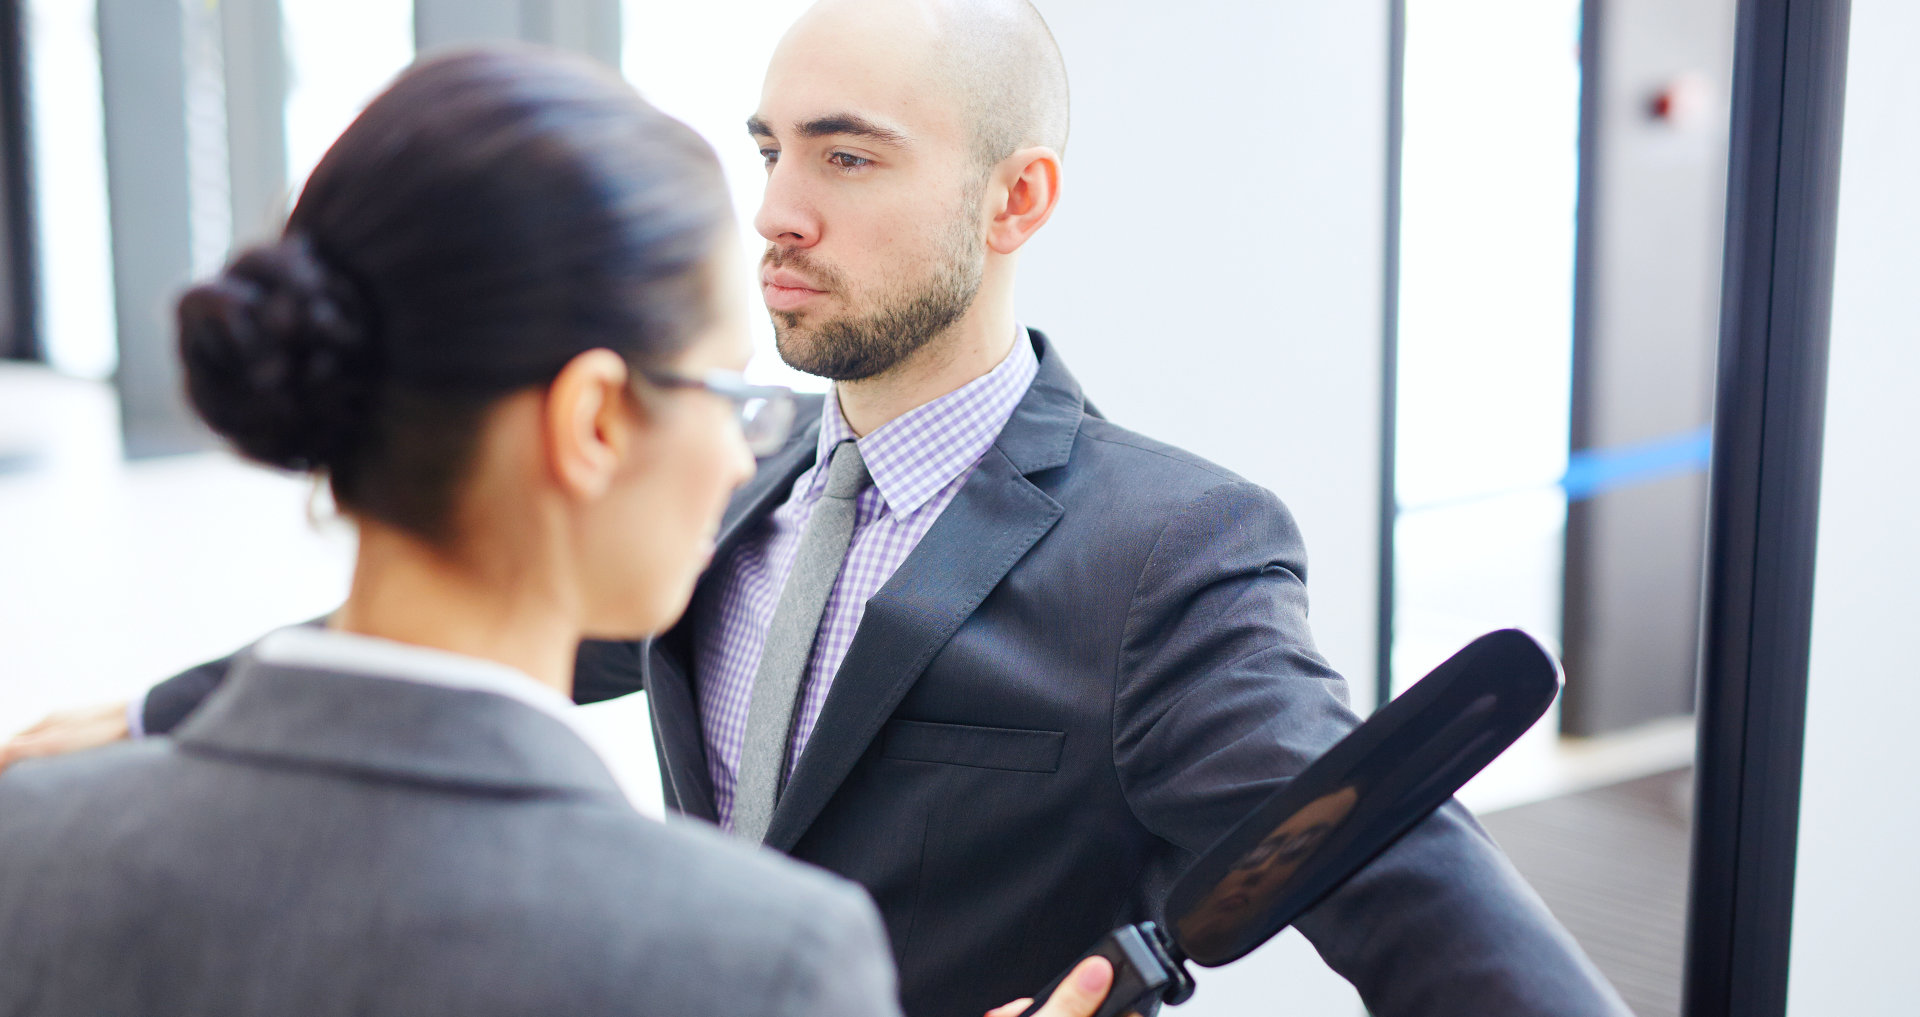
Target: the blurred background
(1444, 275)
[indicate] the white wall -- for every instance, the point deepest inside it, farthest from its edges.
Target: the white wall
(1213, 276)
(1857, 888)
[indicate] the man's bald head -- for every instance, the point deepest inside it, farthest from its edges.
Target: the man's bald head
(1005, 69)
(994, 60)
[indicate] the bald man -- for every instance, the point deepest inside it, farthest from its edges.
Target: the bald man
(1054, 659)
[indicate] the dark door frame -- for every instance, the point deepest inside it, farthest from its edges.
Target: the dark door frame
(1763, 501)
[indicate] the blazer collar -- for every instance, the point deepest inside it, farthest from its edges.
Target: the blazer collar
(1040, 434)
(997, 515)
(995, 518)
(668, 661)
(380, 728)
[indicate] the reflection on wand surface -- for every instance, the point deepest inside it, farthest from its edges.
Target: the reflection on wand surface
(1255, 882)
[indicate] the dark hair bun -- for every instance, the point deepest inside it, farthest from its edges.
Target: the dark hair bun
(278, 358)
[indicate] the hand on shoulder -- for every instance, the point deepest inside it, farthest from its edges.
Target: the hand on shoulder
(67, 731)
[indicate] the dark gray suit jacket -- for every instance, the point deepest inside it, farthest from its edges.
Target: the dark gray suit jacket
(314, 843)
(1092, 666)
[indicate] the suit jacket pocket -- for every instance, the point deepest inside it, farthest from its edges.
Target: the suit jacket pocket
(994, 748)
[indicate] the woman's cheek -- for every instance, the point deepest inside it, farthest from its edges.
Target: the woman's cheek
(723, 447)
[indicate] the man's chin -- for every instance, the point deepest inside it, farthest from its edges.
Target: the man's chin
(805, 350)
(798, 349)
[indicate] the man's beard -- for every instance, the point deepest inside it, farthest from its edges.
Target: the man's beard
(865, 345)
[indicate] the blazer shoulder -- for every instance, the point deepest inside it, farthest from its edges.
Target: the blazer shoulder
(736, 885)
(1109, 444)
(66, 781)
(1165, 502)
(1162, 481)
(772, 935)
(46, 800)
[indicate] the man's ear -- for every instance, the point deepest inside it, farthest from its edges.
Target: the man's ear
(1028, 188)
(589, 424)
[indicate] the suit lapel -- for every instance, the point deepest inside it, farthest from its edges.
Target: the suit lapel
(996, 517)
(679, 739)
(990, 524)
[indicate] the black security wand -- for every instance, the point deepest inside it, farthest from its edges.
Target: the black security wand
(1321, 828)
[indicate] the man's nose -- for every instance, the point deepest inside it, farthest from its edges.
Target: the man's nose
(786, 217)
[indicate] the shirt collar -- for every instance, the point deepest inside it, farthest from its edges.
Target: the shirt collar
(314, 648)
(917, 454)
(320, 649)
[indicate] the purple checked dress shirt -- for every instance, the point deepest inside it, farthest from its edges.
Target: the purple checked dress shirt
(918, 462)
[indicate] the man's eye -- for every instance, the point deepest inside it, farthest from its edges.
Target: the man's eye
(845, 160)
(770, 155)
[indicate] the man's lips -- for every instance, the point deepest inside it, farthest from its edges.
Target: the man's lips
(785, 290)
(787, 279)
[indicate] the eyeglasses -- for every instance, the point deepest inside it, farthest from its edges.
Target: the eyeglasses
(766, 411)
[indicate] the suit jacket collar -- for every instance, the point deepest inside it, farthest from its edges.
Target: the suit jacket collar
(995, 518)
(379, 728)
(1040, 434)
(667, 663)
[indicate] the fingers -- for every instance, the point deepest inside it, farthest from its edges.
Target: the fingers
(47, 722)
(67, 731)
(25, 745)
(1013, 1009)
(29, 743)
(1082, 992)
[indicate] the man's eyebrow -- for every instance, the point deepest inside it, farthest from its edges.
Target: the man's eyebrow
(834, 124)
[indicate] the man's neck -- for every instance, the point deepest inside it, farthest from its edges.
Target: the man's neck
(973, 347)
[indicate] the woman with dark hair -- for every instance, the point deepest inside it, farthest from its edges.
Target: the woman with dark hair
(502, 324)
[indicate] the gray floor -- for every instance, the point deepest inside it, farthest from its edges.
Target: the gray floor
(1612, 864)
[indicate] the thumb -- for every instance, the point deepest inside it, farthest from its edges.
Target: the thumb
(1081, 993)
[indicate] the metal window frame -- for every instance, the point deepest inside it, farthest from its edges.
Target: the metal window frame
(1575, 575)
(254, 64)
(1763, 500)
(591, 27)
(1387, 572)
(19, 275)
(143, 98)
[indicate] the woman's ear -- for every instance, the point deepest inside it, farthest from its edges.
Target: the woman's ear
(590, 424)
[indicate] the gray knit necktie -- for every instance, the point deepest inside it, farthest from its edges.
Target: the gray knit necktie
(789, 644)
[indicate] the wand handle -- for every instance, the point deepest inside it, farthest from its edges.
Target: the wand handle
(1145, 973)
